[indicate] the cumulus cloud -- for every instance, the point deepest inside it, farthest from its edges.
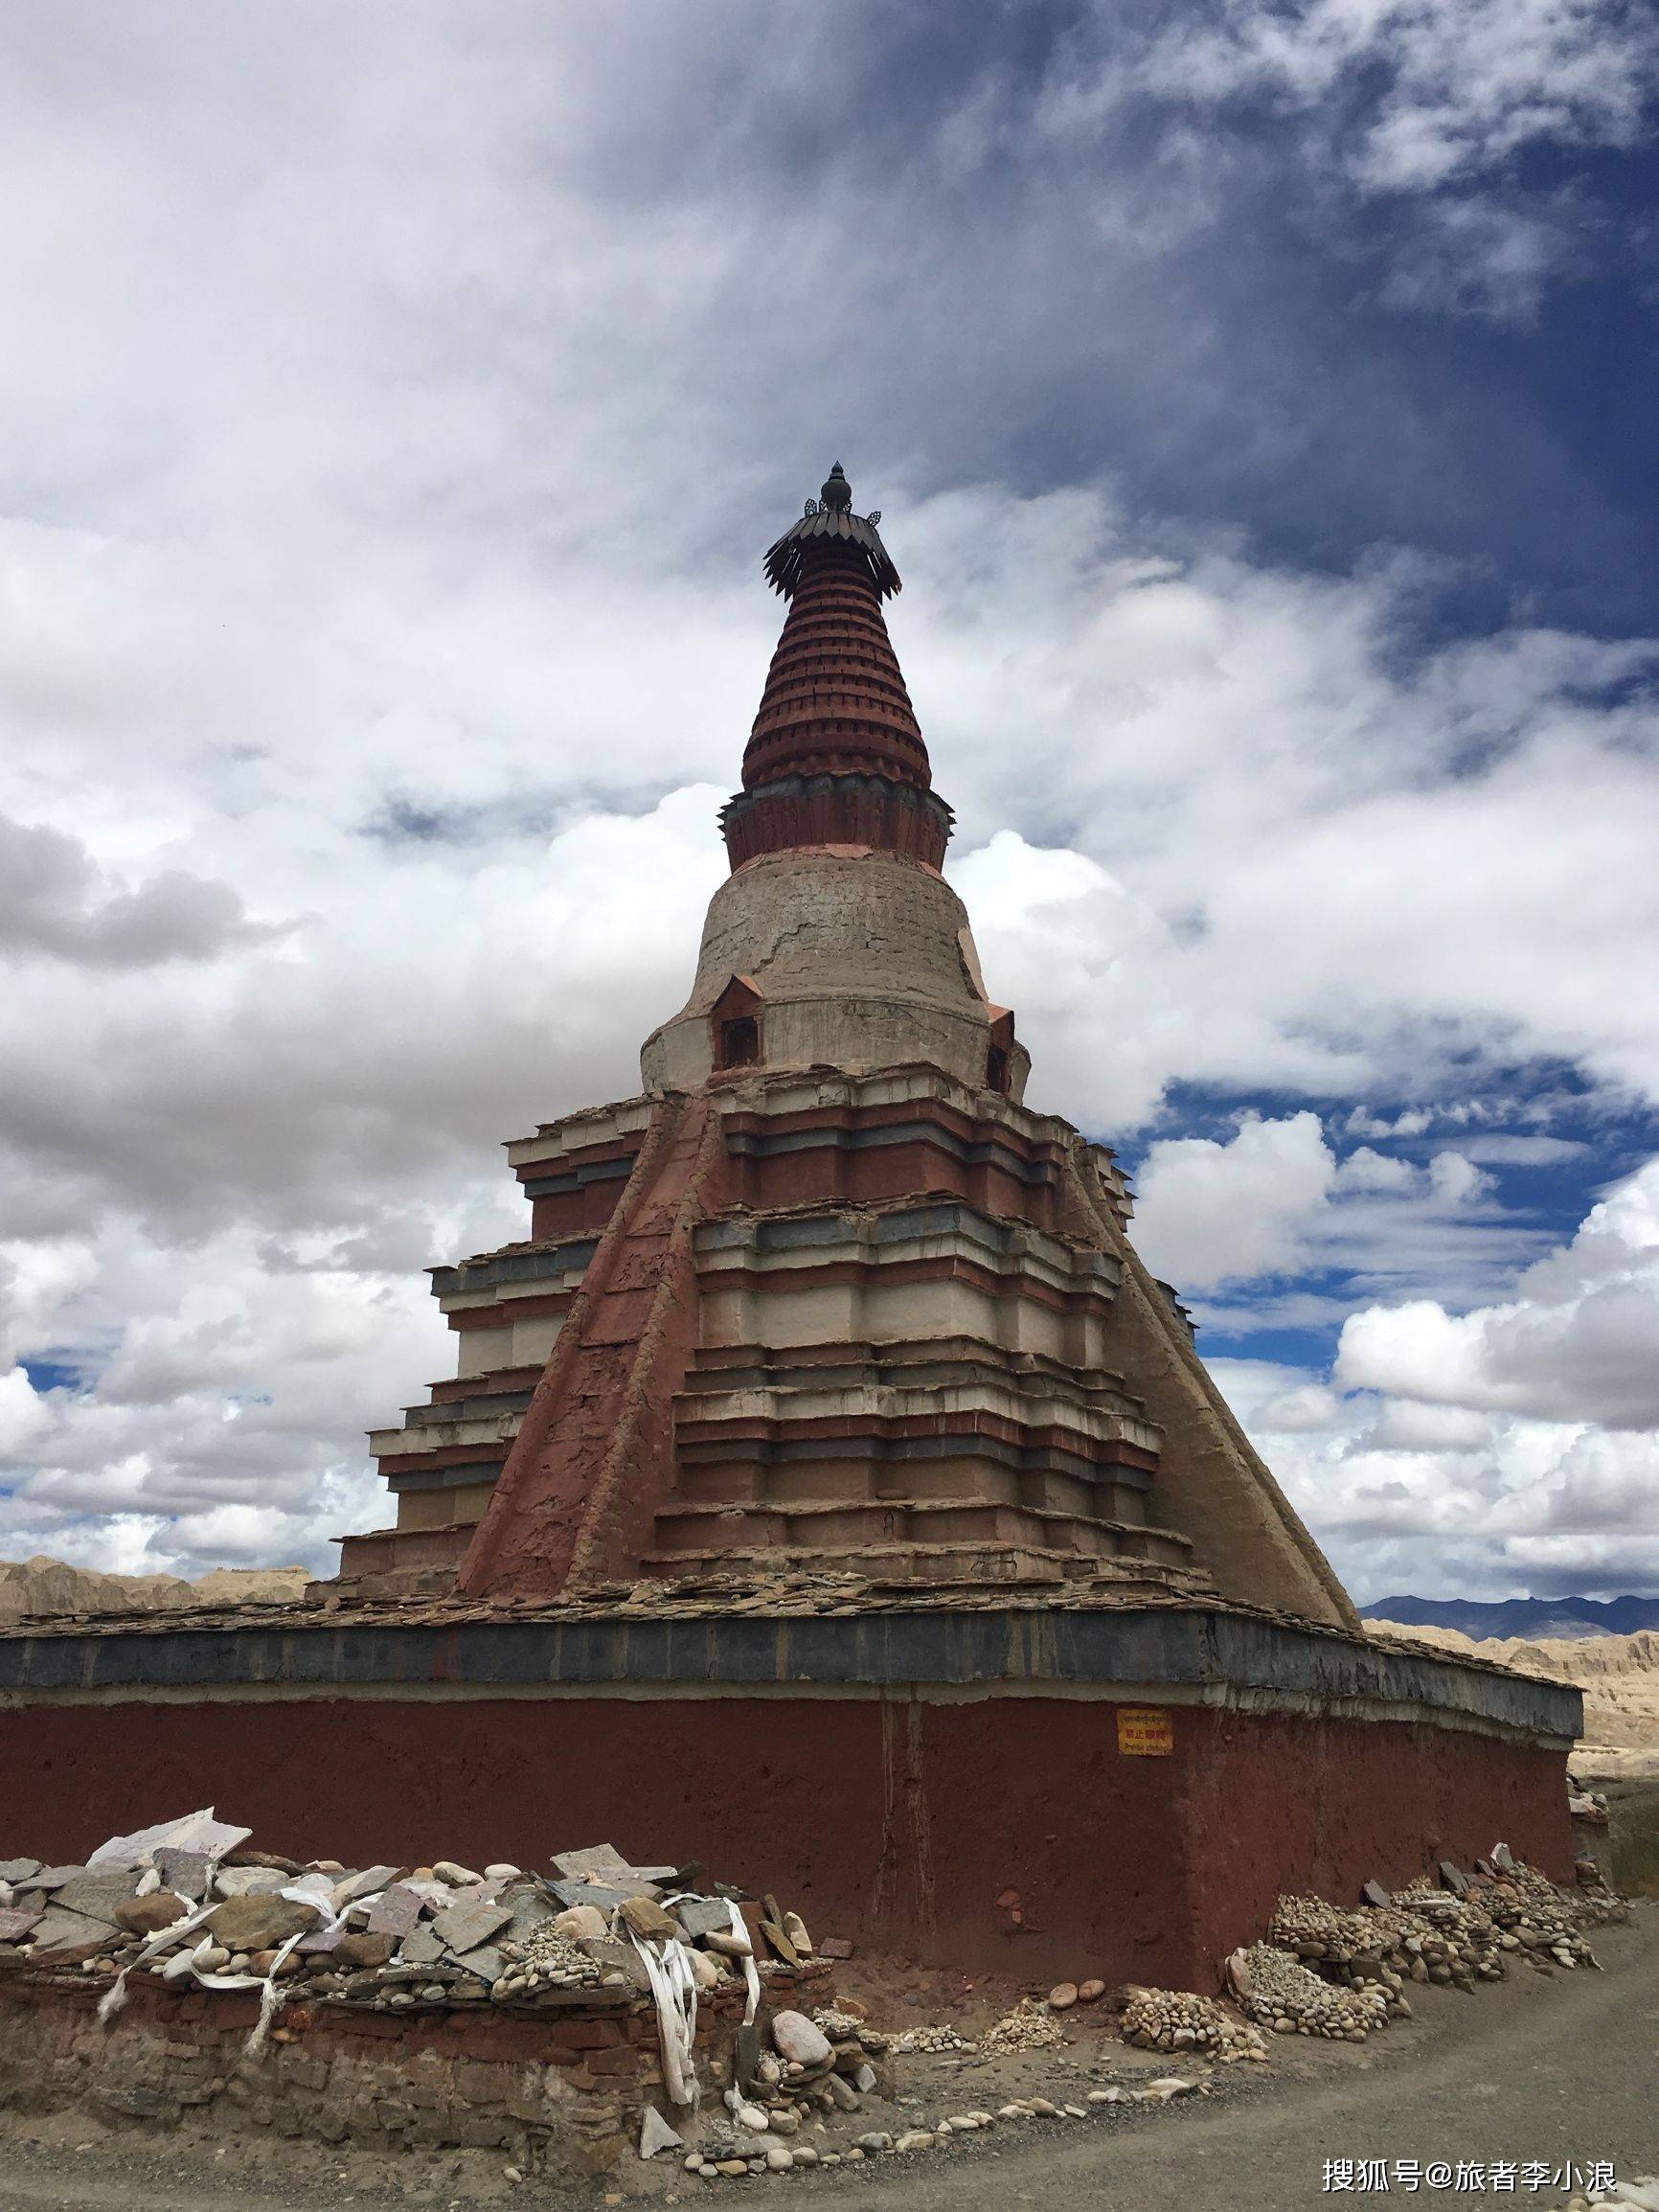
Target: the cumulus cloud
(1579, 1340)
(1445, 1500)
(1209, 1212)
(1235, 1217)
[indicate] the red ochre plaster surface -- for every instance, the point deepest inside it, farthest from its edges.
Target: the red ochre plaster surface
(1007, 1833)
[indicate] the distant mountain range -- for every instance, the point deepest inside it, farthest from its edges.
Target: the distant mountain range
(1530, 1617)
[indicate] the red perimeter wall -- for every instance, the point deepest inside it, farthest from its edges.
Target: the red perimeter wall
(1008, 1833)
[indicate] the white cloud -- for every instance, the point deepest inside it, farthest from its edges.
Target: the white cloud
(23, 1417)
(1210, 1213)
(1442, 1500)
(1456, 1180)
(1442, 88)
(1579, 1340)
(1367, 1169)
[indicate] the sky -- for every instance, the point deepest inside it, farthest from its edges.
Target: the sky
(395, 405)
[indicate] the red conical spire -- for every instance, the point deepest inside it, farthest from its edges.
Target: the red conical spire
(836, 756)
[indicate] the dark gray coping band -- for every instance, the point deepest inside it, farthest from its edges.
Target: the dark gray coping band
(487, 1406)
(528, 1264)
(564, 1181)
(461, 1475)
(1226, 1657)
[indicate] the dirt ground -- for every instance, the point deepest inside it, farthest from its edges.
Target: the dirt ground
(1561, 2070)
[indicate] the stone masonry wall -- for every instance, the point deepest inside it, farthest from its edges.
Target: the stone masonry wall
(555, 2090)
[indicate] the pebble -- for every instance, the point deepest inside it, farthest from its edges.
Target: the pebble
(805, 2154)
(1043, 2110)
(1062, 1996)
(778, 2159)
(752, 2118)
(1091, 1992)
(916, 2139)
(1029, 2027)
(875, 2141)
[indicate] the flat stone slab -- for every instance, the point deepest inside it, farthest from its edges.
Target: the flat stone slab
(352, 1887)
(16, 1870)
(250, 1880)
(462, 1926)
(530, 1909)
(704, 1915)
(594, 1893)
(185, 1873)
(97, 1895)
(396, 1911)
(601, 1859)
(256, 1922)
(484, 1960)
(15, 1922)
(617, 1958)
(51, 1876)
(57, 1930)
(325, 1940)
(422, 1946)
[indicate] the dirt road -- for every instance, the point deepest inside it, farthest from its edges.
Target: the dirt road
(1558, 2071)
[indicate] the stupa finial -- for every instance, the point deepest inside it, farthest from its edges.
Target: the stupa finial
(831, 524)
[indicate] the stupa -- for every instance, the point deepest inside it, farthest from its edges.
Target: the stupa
(826, 1295)
(825, 1492)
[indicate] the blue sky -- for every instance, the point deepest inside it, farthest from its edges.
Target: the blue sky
(1258, 402)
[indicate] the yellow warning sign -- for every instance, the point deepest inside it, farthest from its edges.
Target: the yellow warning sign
(1146, 1731)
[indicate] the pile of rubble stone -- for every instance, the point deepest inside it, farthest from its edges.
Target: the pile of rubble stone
(1291, 2000)
(211, 1912)
(820, 2066)
(1160, 2020)
(1464, 1929)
